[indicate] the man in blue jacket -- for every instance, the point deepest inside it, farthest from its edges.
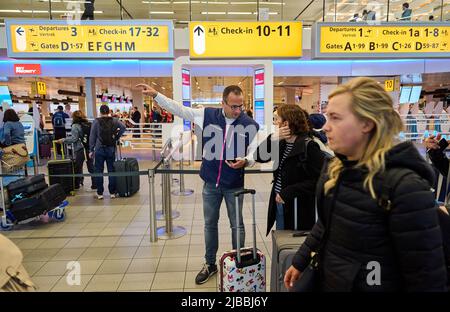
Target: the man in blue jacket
(228, 135)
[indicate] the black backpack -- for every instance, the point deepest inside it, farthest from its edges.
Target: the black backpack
(304, 154)
(390, 181)
(107, 132)
(86, 132)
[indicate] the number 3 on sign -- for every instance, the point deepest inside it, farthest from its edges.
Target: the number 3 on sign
(389, 85)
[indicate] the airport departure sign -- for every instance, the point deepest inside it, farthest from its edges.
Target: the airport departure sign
(89, 39)
(399, 39)
(223, 40)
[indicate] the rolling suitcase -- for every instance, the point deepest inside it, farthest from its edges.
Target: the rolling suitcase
(64, 166)
(243, 270)
(38, 204)
(126, 186)
(25, 187)
(285, 244)
(45, 148)
(45, 151)
(53, 196)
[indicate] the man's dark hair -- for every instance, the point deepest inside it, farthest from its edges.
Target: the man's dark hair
(406, 5)
(231, 89)
(104, 109)
(10, 115)
(60, 108)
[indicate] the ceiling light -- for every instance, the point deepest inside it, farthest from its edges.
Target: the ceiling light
(270, 13)
(161, 12)
(10, 11)
(80, 12)
(153, 83)
(34, 11)
(213, 13)
(240, 13)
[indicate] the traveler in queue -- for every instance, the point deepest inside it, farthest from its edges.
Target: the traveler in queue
(297, 173)
(13, 131)
(80, 133)
(105, 133)
(375, 204)
(222, 170)
(59, 126)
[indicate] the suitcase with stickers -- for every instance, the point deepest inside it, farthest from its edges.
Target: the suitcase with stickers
(243, 269)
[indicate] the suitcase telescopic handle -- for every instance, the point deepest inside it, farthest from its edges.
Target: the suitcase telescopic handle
(238, 232)
(244, 191)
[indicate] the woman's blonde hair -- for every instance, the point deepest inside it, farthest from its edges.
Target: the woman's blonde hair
(369, 101)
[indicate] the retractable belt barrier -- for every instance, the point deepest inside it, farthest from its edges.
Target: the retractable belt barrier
(162, 167)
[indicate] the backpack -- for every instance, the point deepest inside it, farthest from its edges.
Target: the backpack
(86, 130)
(107, 132)
(390, 181)
(325, 151)
(58, 121)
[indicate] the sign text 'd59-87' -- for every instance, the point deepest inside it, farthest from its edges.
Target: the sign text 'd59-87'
(398, 40)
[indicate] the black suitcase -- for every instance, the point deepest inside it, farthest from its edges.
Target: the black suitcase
(38, 204)
(53, 196)
(28, 208)
(56, 167)
(127, 185)
(64, 166)
(26, 186)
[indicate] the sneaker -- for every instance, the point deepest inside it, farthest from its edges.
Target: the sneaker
(205, 273)
(113, 196)
(99, 196)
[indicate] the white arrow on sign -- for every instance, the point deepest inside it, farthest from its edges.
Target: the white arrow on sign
(199, 39)
(21, 38)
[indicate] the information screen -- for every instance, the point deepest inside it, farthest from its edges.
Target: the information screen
(415, 94)
(405, 93)
(5, 96)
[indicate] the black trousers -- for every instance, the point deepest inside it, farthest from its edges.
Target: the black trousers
(60, 133)
(80, 157)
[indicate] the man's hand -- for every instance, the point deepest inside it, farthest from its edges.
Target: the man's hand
(240, 163)
(60, 141)
(91, 155)
(279, 200)
(147, 90)
(281, 133)
(432, 142)
(291, 276)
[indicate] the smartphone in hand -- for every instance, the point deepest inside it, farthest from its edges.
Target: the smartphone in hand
(443, 144)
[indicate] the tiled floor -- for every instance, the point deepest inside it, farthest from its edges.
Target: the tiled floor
(110, 240)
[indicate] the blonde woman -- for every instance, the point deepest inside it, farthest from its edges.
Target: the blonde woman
(361, 243)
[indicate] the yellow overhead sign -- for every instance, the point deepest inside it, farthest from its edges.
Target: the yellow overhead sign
(38, 87)
(389, 85)
(245, 39)
(384, 39)
(39, 38)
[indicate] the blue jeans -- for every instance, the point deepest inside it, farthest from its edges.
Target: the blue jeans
(279, 217)
(101, 155)
(212, 199)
